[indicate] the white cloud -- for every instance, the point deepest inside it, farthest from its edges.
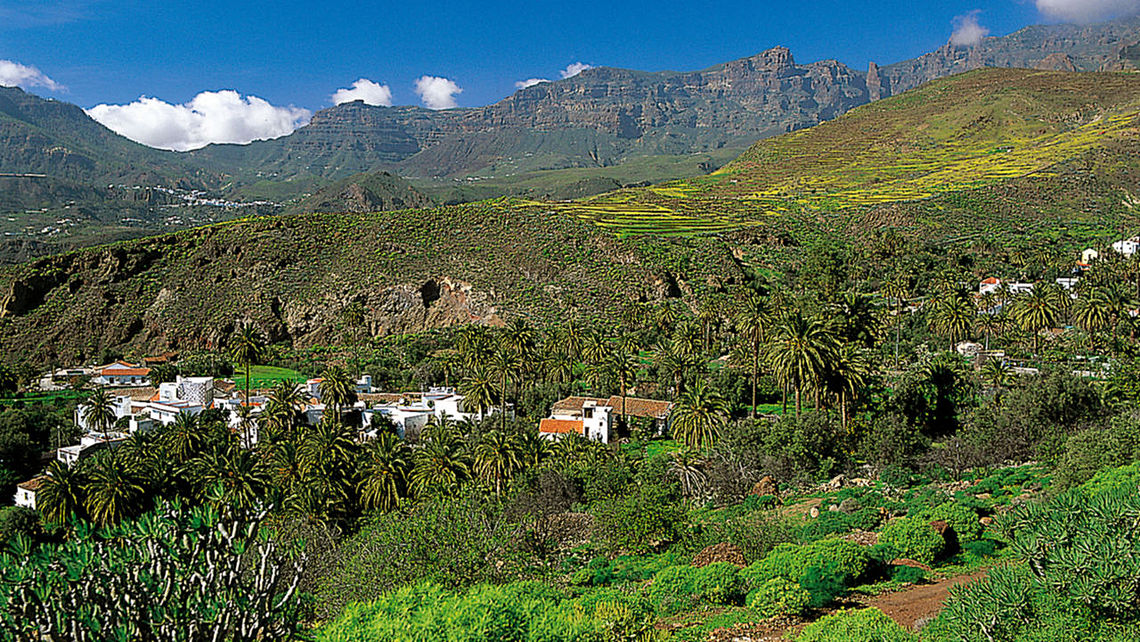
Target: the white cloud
(574, 69)
(1086, 11)
(530, 82)
(371, 93)
(13, 74)
(211, 117)
(967, 31)
(436, 92)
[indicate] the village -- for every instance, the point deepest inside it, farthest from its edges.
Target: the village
(135, 405)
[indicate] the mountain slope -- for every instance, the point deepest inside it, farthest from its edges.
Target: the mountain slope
(596, 118)
(39, 136)
(606, 116)
(375, 192)
(994, 158)
(962, 133)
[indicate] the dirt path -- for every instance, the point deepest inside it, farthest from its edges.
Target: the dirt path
(920, 602)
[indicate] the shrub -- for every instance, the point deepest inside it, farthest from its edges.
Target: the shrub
(758, 502)
(908, 574)
(824, 583)
(719, 583)
(864, 625)
(778, 596)
(790, 561)
(963, 520)
(913, 538)
(640, 521)
(673, 588)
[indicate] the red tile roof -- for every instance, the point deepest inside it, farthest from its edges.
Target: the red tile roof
(560, 426)
(125, 372)
(33, 484)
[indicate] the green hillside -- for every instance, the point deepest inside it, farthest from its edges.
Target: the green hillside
(976, 131)
(374, 192)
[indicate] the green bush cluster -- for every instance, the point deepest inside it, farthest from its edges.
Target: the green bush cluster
(680, 586)
(864, 625)
(1079, 577)
(778, 596)
(913, 538)
(836, 522)
(963, 520)
(790, 561)
(519, 612)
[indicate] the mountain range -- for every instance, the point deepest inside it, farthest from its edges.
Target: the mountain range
(976, 169)
(67, 181)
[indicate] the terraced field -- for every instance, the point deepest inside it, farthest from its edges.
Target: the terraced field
(622, 214)
(976, 130)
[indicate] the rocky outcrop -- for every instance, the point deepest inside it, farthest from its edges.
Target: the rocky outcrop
(1056, 62)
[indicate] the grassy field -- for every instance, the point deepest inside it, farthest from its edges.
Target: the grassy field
(265, 376)
(44, 397)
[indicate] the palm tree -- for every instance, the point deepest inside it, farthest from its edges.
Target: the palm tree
(99, 411)
(231, 475)
(952, 315)
(699, 416)
(686, 467)
(504, 362)
(752, 323)
(61, 496)
(897, 291)
(672, 365)
(800, 352)
(624, 366)
(1093, 311)
(184, 438)
(248, 347)
(385, 464)
(997, 374)
(857, 321)
(112, 490)
(1036, 310)
(533, 450)
(439, 464)
(496, 459)
(281, 414)
(848, 375)
(337, 390)
(478, 390)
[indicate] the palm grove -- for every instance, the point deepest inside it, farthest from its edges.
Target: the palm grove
(800, 376)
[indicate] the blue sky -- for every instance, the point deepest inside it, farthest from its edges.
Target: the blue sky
(294, 53)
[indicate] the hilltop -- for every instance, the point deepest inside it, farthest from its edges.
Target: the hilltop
(374, 192)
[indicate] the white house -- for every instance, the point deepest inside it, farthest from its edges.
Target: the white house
(89, 445)
(1020, 288)
(364, 385)
(1089, 255)
(123, 407)
(990, 285)
(26, 492)
(592, 421)
(122, 373)
(656, 411)
(196, 390)
(1127, 247)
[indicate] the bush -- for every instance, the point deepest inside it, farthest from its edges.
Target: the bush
(790, 561)
(913, 538)
(824, 583)
(673, 588)
(719, 583)
(908, 574)
(778, 596)
(865, 625)
(963, 520)
(759, 502)
(641, 521)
